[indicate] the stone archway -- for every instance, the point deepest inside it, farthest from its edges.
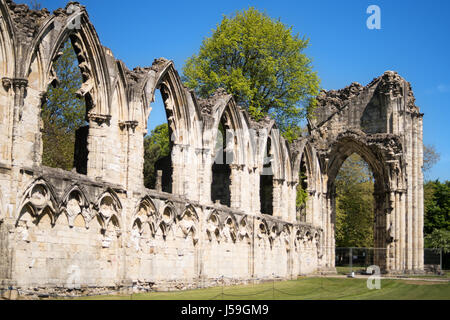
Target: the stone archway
(342, 149)
(382, 124)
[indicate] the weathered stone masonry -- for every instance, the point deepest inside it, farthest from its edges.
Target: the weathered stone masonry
(103, 229)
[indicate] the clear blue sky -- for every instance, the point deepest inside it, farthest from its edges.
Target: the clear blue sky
(414, 40)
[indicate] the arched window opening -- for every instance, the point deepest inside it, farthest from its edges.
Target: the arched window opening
(266, 181)
(302, 193)
(355, 225)
(158, 146)
(64, 124)
(221, 170)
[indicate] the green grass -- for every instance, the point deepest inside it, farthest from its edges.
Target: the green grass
(305, 289)
(356, 269)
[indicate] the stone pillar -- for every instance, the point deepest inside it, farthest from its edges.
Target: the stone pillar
(177, 172)
(415, 193)
(158, 186)
(396, 227)
(19, 87)
(96, 144)
(420, 213)
(256, 204)
(132, 171)
(410, 208)
(235, 187)
(205, 175)
(292, 209)
(277, 197)
(199, 178)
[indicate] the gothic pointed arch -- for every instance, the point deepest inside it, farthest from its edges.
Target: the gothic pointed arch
(75, 26)
(213, 226)
(142, 84)
(108, 205)
(39, 199)
(187, 223)
(75, 203)
(7, 45)
(145, 210)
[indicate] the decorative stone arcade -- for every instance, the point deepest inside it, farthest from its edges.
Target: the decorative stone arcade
(103, 229)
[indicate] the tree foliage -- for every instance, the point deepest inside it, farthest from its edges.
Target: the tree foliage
(437, 206)
(430, 157)
(156, 146)
(438, 239)
(261, 62)
(354, 204)
(302, 194)
(63, 113)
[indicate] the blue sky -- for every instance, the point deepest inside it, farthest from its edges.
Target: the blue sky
(414, 40)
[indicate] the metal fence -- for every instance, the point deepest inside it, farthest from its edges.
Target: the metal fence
(357, 260)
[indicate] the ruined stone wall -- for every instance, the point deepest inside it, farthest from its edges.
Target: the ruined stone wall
(103, 229)
(382, 124)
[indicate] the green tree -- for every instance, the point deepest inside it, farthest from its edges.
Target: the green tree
(437, 206)
(156, 146)
(438, 239)
(261, 62)
(354, 204)
(63, 113)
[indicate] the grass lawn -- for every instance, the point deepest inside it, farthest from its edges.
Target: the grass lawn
(356, 269)
(305, 289)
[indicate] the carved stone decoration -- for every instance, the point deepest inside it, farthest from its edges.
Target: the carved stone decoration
(298, 241)
(167, 219)
(213, 227)
(273, 233)
(88, 88)
(111, 232)
(263, 230)
(136, 234)
(286, 237)
(169, 105)
(40, 199)
(144, 216)
(75, 203)
(168, 214)
(107, 206)
(317, 238)
(7, 83)
(188, 223)
(229, 231)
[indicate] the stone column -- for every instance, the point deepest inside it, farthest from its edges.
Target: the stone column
(292, 209)
(415, 193)
(19, 87)
(420, 213)
(409, 201)
(177, 173)
(277, 197)
(235, 187)
(396, 227)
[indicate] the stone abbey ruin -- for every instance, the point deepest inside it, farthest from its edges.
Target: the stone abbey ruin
(98, 227)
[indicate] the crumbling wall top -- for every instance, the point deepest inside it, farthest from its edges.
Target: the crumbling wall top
(26, 20)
